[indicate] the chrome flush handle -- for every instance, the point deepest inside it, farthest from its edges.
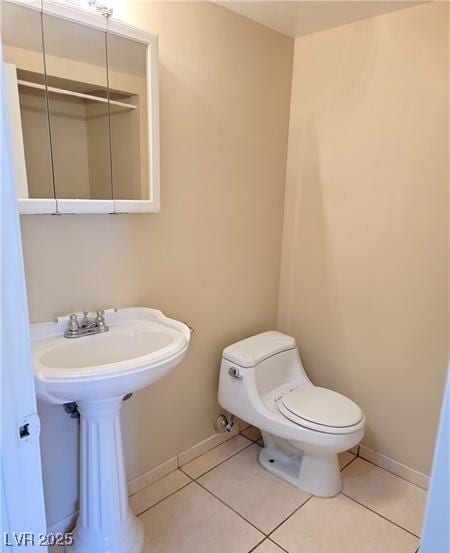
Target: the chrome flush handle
(235, 373)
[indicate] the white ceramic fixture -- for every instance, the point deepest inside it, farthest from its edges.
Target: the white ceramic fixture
(304, 427)
(96, 372)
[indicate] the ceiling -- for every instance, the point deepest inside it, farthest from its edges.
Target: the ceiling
(297, 18)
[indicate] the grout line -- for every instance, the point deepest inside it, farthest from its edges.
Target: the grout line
(254, 441)
(164, 498)
(154, 482)
(349, 463)
(215, 466)
(380, 515)
(207, 451)
(239, 514)
(257, 545)
(218, 464)
(268, 535)
(231, 508)
(178, 467)
(278, 545)
(393, 473)
(194, 480)
(289, 516)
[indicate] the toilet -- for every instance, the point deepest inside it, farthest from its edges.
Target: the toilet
(304, 427)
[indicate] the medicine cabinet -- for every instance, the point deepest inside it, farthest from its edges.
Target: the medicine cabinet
(82, 95)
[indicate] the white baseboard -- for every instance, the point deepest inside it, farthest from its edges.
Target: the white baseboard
(206, 445)
(409, 474)
(181, 459)
(152, 475)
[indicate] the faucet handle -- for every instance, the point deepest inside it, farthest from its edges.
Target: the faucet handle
(85, 320)
(101, 323)
(73, 322)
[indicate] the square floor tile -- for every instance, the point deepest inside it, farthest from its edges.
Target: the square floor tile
(213, 457)
(268, 546)
(345, 458)
(252, 433)
(385, 493)
(260, 497)
(193, 521)
(340, 525)
(155, 492)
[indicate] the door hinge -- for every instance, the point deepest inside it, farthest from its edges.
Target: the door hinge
(29, 429)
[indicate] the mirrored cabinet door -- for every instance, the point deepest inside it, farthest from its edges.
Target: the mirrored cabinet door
(77, 85)
(82, 93)
(27, 104)
(127, 75)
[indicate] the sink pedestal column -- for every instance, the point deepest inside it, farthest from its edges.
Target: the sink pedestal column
(105, 523)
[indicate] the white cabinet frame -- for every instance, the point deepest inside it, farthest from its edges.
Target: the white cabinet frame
(84, 16)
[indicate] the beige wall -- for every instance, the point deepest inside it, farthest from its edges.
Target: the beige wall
(363, 281)
(211, 257)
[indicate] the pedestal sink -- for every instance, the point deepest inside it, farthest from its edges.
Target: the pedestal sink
(96, 372)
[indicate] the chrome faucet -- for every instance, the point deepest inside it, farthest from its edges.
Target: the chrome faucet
(77, 329)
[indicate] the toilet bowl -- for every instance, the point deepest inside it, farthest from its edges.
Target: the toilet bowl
(304, 427)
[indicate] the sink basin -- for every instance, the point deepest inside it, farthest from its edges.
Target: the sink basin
(103, 352)
(96, 372)
(141, 346)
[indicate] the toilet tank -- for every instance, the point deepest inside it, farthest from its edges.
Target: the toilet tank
(254, 366)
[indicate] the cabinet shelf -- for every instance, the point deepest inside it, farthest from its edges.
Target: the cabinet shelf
(65, 92)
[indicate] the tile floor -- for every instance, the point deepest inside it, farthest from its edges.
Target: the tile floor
(224, 502)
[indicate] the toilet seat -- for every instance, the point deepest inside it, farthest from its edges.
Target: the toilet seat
(321, 409)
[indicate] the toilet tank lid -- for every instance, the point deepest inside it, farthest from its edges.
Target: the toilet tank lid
(251, 351)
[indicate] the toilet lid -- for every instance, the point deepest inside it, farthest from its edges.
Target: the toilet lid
(320, 406)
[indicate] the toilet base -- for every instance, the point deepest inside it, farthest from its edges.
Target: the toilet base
(317, 474)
